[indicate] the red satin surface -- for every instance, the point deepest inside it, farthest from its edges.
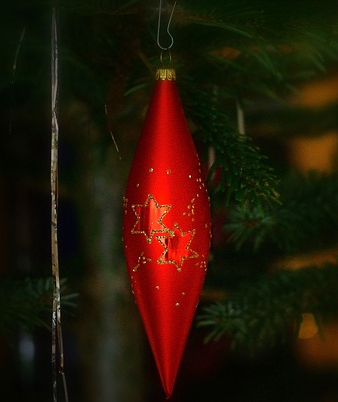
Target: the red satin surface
(166, 229)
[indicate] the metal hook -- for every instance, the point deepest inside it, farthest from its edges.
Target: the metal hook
(168, 26)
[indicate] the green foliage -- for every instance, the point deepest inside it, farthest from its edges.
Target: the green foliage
(263, 309)
(28, 303)
(225, 52)
(245, 177)
(306, 219)
(268, 311)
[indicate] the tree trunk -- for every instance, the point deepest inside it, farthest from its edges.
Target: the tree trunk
(110, 329)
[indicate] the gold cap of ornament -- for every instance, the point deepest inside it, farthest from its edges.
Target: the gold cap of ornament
(165, 74)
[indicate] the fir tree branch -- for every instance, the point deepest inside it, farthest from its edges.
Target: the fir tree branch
(244, 175)
(308, 217)
(267, 312)
(23, 303)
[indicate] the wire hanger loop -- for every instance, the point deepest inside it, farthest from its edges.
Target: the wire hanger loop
(164, 61)
(168, 27)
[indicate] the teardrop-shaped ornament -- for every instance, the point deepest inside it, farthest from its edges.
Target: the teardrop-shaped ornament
(166, 227)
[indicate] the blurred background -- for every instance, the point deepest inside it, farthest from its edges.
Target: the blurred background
(271, 68)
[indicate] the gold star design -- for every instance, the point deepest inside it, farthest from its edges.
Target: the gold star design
(149, 218)
(177, 247)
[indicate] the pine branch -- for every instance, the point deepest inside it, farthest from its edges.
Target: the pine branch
(263, 15)
(269, 311)
(23, 303)
(245, 176)
(308, 217)
(257, 46)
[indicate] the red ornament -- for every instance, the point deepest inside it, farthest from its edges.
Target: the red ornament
(166, 229)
